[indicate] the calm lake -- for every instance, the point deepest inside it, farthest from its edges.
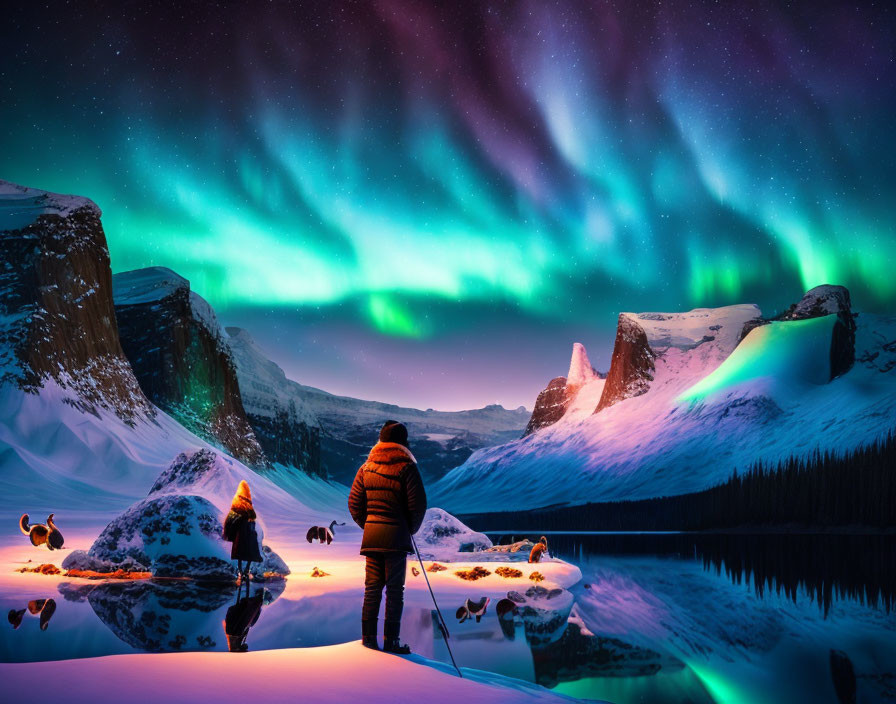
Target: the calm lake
(657, 618)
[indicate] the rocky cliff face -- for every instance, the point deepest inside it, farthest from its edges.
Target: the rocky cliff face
(56, 315)
(632, 364)
(181, 358)
(550, 405)
(287, 431)
(818, 302)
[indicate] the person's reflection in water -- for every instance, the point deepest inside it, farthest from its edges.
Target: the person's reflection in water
(240, 617)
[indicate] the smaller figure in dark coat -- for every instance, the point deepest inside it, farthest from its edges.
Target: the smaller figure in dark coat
(388, 502)
(239, 529)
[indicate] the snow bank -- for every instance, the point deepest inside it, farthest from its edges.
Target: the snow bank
(774, 360)
(329, 675)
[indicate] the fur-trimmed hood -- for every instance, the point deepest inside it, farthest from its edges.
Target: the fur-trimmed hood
(390, 453)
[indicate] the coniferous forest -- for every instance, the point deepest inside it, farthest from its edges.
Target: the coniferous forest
(855, 489)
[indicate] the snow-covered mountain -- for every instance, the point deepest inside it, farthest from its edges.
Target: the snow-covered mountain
(57, 321)
(286, 428)
(348, 427)
(180, 356)
(690, 397)
(76, 430)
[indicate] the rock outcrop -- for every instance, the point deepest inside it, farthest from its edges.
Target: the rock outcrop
(550, 405)
(56, 315)
(181, 358)
(553, 402)
(818, 302)
(286, 429)
(631, 367)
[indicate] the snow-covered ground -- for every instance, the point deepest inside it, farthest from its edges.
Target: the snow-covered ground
(88, 469)
(704, 414)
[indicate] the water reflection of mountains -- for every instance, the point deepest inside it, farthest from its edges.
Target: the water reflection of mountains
(861, 568)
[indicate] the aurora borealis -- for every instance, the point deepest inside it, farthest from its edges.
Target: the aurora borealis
(428, 203)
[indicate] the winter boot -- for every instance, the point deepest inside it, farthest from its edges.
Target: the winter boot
(396, 647)
(368, 634)
(391, 644)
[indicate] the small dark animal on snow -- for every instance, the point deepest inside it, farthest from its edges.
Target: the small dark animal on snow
(40, 533)
(539, 549)
(322, 534)
(473, 608)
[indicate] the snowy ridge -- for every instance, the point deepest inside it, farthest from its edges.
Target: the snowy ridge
(20, 206)
(693, 427)
(687, 330)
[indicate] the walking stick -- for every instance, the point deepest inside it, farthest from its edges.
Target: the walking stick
(442, 626)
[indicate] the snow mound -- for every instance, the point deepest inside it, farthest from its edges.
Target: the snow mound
(442, 536)
(169, 536)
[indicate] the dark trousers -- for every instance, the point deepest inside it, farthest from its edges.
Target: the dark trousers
(385, 569)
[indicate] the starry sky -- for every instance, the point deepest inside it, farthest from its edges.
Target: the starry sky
(428, 203)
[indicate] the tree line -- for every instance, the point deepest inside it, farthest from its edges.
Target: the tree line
(824, 490)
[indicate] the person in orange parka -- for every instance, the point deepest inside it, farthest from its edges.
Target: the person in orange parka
(239, 529)
(388, 502)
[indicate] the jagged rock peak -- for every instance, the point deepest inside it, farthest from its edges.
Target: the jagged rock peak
(550, 405)
(580, 369)
(821, 300)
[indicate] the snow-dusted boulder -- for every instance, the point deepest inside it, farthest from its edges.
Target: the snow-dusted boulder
(176, 531)
(170, 536)
(442, 536)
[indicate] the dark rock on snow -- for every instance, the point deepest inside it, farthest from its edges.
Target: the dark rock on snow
(550, 405)
(631, 367)
(56, 314)
(181, 358)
